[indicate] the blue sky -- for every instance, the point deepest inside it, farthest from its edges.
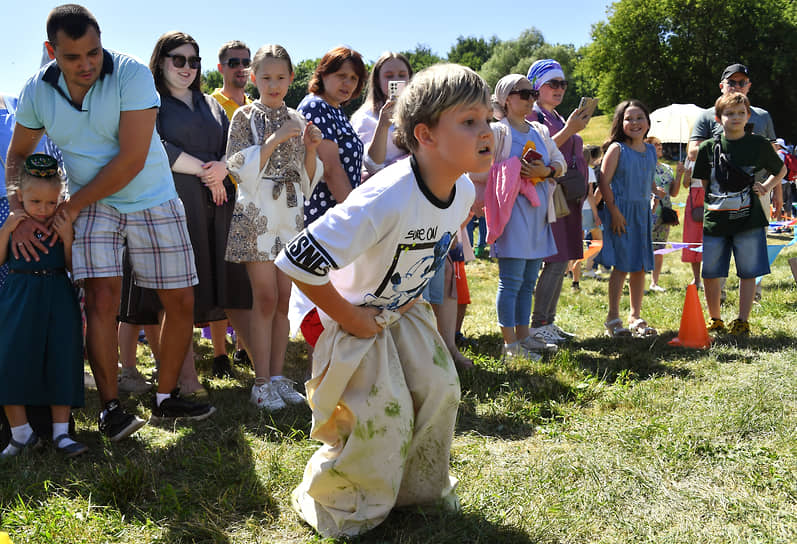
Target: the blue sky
(312, 28)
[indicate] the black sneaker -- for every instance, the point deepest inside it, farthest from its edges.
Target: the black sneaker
(221, 367)
(117, 424)
(178, 407)
(241, 358)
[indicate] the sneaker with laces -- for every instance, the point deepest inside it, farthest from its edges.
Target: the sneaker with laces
(545, 335)
(518, 350)
(130, 380)
(241, 358)
(740, 328)
(559, 332)
(717, 326)
(176, 407)
(221, 367)
(532, 344)
(117, 424)
(285, 389)
(267, 397)
(656, 288)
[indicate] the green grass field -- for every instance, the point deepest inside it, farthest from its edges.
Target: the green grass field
(610, 441)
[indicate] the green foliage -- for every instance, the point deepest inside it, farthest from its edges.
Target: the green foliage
(472, 52)
(512, 56)
(302, 72)
(421, 57)
(674, 51)
(211, 80)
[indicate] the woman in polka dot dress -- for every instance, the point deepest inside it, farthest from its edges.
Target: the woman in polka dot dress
(338, 79)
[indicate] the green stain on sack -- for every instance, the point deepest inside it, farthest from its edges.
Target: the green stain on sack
(405, 448)
(368, 430)
(374, 391)
(441, 356)
(393, 409)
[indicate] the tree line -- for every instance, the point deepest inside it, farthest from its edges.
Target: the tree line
(659, 51)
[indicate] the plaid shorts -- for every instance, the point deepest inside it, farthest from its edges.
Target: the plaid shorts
(156, 239)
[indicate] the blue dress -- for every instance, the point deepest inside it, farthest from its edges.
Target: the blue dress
(631, 185)
(41, 338)
(335, 126)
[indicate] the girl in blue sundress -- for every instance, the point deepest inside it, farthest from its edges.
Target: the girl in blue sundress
(41, 341)
(626, 184)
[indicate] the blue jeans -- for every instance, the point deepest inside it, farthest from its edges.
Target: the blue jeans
(471, 226)
(516, 279)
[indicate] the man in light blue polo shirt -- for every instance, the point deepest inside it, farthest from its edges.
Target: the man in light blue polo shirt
(99, 107)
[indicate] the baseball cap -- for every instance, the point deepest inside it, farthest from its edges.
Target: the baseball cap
(781, 142)
(734, 69)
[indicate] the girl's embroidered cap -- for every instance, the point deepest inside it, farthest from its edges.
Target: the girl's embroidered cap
(41, 165)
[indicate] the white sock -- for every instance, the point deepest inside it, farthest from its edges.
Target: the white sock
(160, 397)
(21, 434)
(58, 430)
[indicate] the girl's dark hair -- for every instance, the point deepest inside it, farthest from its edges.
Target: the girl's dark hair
(616, 133)
(375, 98)
(169, 41)
(331, 63)
(591, 152)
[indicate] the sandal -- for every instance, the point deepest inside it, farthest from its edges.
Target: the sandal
(639, 327)
(72, 450)
(615, 329)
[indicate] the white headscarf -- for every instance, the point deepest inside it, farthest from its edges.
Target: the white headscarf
(504, 86)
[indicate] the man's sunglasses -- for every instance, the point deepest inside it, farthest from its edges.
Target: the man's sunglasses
(235, 62)
(732, 83)
(556, 83)
(180, 60)
(525, 94)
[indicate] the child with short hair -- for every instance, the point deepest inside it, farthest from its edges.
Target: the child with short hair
(41, 341)
(734, 220)
(384, 390)
(271, 153)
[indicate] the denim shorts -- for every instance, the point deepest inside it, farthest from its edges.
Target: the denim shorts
(435, 290)
(749, 251)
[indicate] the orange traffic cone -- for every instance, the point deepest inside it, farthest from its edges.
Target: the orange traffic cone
(693, 332)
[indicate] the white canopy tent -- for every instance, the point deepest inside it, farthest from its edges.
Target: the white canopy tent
(673, 123)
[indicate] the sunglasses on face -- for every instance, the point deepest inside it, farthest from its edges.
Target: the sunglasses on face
(180, 60)
(525, 94)
(740, 83)
(235, 62)
(557, 84)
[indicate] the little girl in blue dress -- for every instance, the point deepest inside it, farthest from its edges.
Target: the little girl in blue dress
(41, 340)
(626, 184)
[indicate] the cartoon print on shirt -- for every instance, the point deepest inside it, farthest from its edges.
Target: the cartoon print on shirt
(413, 266)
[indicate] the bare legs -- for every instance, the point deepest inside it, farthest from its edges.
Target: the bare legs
(269, 328)
(636, 288)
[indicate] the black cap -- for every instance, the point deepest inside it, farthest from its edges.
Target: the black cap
(734, 69)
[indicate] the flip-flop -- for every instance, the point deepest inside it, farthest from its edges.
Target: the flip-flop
(615, 329)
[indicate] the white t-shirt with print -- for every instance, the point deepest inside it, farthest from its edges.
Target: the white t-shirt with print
(381, 245)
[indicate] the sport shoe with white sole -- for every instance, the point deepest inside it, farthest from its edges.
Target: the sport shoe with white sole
(517, 349)
(532, 344)
(176, 407)
(267, 397)
(557, 330)
(545, 335)
(130, 380)
(285, 389)
(117, 424)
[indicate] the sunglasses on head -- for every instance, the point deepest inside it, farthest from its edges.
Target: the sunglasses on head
(235, 62)
(180, 60)
(733, 83)
(525, 94)
(556, 83)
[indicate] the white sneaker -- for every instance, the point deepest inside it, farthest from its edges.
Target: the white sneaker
(266, 396)
(532, 344)
(657, 288)
(595, 274)
(564, 335)
(516, 349)
(545, 335)
(285, 389)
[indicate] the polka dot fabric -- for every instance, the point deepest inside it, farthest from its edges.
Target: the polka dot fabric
(334, 126)
(4, 211)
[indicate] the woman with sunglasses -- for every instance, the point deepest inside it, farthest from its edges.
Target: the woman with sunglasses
(547, 77)
(522, 238)
(193, 128)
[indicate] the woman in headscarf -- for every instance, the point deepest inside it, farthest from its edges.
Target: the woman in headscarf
(547, 77)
